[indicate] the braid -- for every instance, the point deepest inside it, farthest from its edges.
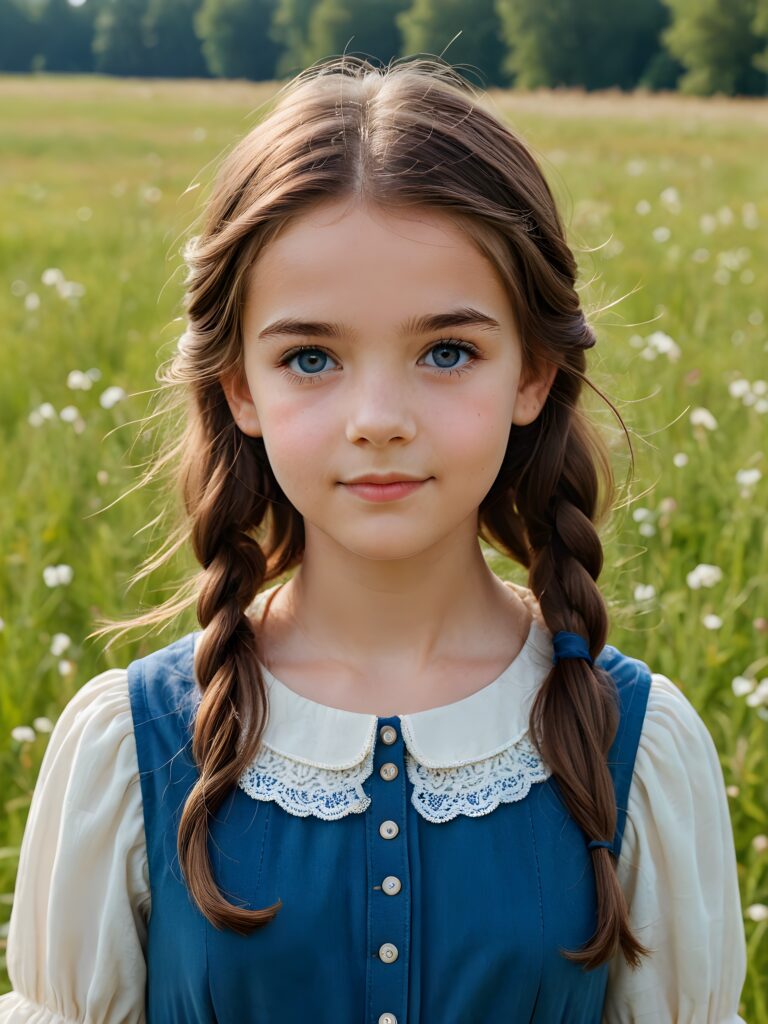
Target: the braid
(226, 661)
(575, 714)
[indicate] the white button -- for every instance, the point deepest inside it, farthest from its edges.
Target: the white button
(388, 952)
(387, 1018)
(388, 829)
(391, 885)
(388, 771)
(387, 734)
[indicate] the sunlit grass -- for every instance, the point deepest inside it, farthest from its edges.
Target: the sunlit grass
(665, 201)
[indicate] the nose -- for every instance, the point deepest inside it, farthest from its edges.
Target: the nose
(378, 409)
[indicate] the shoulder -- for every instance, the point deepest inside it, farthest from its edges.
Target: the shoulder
(163, 681)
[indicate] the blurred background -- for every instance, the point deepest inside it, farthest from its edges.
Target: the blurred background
(650, 121)
(696, 46)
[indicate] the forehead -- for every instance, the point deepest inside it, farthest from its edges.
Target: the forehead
(348, 255)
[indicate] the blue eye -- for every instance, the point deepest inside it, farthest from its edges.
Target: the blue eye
(312, 357)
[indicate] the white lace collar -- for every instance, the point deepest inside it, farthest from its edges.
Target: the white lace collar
(463, 757)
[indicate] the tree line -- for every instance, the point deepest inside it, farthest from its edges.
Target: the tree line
(695, 46)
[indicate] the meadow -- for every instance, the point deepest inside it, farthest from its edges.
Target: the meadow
(664, 199)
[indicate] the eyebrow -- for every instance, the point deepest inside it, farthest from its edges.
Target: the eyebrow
(464, 316)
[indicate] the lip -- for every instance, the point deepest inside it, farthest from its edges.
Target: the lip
(385, 478)
(385, 492)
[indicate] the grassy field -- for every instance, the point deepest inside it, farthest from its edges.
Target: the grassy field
(665, 202)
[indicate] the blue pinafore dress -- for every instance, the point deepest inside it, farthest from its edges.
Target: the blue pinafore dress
(470, 936)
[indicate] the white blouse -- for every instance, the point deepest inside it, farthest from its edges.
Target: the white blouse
(78, 927)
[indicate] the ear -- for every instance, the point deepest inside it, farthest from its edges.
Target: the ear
(532, 394)
(240, 402)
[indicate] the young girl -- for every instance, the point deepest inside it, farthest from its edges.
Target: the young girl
(381, 785)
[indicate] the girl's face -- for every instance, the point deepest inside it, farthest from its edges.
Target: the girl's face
(375, 391)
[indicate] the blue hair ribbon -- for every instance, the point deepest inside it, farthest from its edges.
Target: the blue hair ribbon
(570, 645)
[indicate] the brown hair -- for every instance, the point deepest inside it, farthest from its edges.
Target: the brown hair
(409, 133)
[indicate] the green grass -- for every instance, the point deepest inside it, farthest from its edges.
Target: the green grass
(82, 156)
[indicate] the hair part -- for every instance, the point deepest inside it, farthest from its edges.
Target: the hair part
(409, 134)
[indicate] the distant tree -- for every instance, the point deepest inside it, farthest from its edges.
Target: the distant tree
(236, 38)
(175, 50)
(591, 43)
(19, 39)
(760, 29)
(290, 32)
(355, 26)
(717, 43)
(119, 44)
(66, 36)
(428, 26)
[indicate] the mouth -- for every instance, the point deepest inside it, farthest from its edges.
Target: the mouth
(385, 492)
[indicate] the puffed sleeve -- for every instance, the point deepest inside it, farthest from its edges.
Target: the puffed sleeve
(78, 926)
(677, 866)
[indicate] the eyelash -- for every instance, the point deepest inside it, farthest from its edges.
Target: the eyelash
(465, 346)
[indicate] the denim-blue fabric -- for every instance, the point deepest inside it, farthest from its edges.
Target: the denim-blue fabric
(485, 903)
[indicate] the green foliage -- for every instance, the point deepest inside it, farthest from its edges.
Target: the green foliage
(96, 173)
(719, 44)
(169, 34)
(118, 43)
(355, 26)
(429, 26)
(596, 44)
(237, 41)
(290, 30)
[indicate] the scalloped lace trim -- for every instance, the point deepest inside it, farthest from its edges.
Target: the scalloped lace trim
(439, 794)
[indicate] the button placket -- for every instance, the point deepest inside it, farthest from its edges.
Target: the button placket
(389, 902)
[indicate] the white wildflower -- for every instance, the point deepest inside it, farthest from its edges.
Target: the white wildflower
(712, 622)
(69, 413)
(680, 459)
(703, 417)
(43, 724)
(31, 301)
(759, 695)
(57, 575)
(741, 686)
(23, 733)
(65, 667)
(739, 387)
(757, 912)
(644, 592)
(704, 575)
(748, 477)
(661, 234)
(662, 342)
(760, 843)
(77, 380)
(51, 276)
(111, 396)
(59, 643)
(646, 529)
(642, 207)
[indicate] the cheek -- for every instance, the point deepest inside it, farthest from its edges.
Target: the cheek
(473, 432)
(297, 438)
